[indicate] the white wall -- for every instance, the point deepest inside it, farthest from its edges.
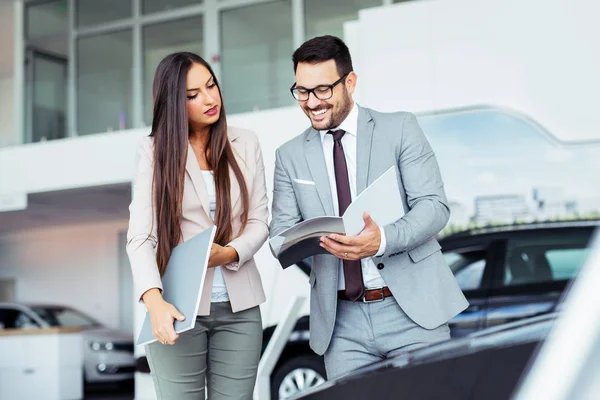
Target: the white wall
(65, 164)
(109, 158)
(74, 265)
(536, 56)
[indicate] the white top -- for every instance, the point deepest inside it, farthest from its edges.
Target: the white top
(219, 290)
(371, 276)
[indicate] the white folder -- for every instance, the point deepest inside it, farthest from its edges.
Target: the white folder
(183, 282)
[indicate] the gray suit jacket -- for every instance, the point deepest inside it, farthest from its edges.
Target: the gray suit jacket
(412, 266)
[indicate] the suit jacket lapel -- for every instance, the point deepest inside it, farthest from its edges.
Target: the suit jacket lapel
(313, 150)
(192, 167)
(364, 143)
(234, 190)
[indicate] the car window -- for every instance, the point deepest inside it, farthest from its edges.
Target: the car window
(467, 267)
(546, 258)
(60, 316)
(565, 263)
(16, 319)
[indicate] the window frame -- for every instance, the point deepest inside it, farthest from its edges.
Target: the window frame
(209, 10)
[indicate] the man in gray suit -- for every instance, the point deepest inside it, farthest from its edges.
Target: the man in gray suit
(388, 289)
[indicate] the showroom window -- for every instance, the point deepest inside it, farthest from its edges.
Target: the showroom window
(256, 51)
(89, 64)
(104, 76)
(161, 40)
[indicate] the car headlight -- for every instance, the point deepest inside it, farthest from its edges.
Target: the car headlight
(101, 346)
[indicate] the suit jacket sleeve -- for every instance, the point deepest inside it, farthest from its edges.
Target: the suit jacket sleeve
(257, 229)
(141, 235)
(428, 209)
(285, 206)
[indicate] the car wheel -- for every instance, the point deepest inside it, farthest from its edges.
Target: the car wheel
(296, 375)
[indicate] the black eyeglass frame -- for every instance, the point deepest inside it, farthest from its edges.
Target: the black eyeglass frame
(309, 91)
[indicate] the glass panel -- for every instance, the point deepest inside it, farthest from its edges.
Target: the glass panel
(47, 84)
(565, 263)
(553, 181)
(55, 316)
(150, 6)
(23, 321)
(256, 56)
(92, 12)
(453, 259)
(544, 258)
(104, 87)
(15, 319)
(163, 39)
(328, 17)
(46, 26)
(7, 289)
(467, 268)
(469, 278)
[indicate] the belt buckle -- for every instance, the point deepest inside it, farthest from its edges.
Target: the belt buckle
(376, 300)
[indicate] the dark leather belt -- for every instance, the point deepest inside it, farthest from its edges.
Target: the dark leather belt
(371, 295)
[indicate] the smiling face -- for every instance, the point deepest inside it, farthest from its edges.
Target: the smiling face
(330, 113)
(203, 98)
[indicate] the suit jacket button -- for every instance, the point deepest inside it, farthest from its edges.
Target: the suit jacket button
(380, 266)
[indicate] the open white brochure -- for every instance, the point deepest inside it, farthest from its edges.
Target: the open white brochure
(381, 200)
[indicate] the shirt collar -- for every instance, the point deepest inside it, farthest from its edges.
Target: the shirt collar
(350, 124)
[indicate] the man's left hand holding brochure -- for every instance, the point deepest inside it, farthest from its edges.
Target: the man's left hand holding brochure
(183, 282)
(381, 199)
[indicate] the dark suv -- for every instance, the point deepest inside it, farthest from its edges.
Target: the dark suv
(507, 273)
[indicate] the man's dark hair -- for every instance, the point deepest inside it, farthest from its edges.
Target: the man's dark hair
(324, 48)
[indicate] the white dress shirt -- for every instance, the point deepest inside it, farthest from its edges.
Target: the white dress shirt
(371, 276)
(219, 290)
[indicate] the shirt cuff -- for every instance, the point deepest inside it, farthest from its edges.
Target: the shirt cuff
(233, 266)
(382, 244)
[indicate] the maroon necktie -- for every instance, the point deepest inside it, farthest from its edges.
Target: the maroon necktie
(355, 288)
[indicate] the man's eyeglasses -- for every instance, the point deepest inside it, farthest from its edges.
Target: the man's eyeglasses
(321, 92)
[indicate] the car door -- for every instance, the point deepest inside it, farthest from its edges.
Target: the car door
(536, 268)
(471, 263)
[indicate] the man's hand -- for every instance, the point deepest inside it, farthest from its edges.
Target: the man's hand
(220, 255)
(364, 245)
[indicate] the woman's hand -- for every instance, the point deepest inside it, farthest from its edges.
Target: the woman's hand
(162, 315)
(220, 255)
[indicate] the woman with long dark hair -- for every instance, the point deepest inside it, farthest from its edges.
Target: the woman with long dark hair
(195, 171)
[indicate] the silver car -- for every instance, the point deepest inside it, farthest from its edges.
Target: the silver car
(107, 354)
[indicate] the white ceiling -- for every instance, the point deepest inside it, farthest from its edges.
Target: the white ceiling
(52, 209)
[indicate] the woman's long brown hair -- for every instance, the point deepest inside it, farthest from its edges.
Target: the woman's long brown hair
(170, 129)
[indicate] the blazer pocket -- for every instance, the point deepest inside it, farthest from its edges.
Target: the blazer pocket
(304, 187)
(423, 251)
(312, 279)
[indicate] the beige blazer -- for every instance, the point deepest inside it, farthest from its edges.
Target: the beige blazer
(242, 280)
